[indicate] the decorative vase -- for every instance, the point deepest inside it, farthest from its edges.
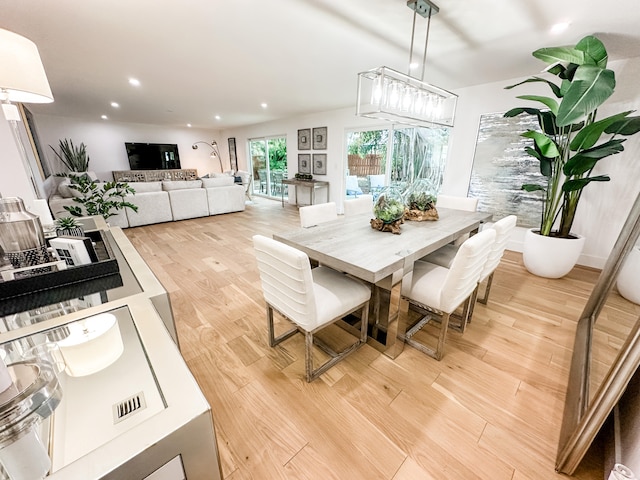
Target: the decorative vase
(21, 234)
(550, 257)
(627, 281)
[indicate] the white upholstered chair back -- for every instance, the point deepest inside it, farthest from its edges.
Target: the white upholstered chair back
(312, 215)
(352, 187)
(286, 279)
(362, 204)
(464, 274)
(503, 229)
(459, 203)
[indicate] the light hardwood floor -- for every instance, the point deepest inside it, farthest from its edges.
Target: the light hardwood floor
(491, 409)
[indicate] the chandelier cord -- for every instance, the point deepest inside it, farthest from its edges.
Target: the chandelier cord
(413, 32)
(426, 41)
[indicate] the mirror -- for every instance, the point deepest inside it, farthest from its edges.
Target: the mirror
(606, 354)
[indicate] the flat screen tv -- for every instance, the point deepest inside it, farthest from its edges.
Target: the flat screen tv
(152, 156)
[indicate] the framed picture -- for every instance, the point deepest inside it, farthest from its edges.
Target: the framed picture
(304, 163)
(304, 139)
(319, 163)
(233, 159)
(320, 138)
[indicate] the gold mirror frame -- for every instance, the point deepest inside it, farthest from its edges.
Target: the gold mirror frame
(582, 420)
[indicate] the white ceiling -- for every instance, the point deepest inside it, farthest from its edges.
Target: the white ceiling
(199, 58)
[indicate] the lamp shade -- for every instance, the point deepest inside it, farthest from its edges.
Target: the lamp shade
(92, 345)
(22, 75)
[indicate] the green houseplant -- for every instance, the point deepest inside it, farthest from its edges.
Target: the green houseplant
(571, 141)
(99, 198)
(69, 226)
(75, 158)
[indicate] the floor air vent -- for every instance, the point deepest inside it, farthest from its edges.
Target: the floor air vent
(128, 407)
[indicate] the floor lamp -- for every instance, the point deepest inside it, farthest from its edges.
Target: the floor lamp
(23, 80)
(215, 153)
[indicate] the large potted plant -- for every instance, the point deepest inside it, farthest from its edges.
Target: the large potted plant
(74, 157)
(569, 144)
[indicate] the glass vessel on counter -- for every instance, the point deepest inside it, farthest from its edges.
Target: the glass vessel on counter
(388, 210)
(420, 200)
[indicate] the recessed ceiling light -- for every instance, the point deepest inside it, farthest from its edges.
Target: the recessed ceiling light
(115, 104)
(104, 117)
(559, 27)
(189, 125)
(135, 82)
(263, 105)
(217, 117)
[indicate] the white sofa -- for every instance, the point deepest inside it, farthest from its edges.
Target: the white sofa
(166, 201)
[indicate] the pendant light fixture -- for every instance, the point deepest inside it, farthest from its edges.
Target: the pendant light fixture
(387, 94)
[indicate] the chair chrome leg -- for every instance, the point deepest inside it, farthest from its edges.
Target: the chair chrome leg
(273, 340)
(308, 356)
(312, 374)
(485, 298)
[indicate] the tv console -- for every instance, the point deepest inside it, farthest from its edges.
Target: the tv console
(155, 175)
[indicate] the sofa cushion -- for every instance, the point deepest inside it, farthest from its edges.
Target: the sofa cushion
(146, 187)
(217, 182)
(169, 185)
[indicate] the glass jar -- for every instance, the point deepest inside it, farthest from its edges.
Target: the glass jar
(389, 206)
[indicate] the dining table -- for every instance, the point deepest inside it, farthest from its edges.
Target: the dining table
(382, 259)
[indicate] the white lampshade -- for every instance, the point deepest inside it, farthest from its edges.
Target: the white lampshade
(92, 345)
(22, 75)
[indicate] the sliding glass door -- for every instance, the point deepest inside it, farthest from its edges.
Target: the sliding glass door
(268, 165)
(397, 156)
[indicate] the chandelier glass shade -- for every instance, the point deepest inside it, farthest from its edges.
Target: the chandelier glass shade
(387, 94)
(390, 95)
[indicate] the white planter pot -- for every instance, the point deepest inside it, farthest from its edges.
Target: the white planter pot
(627, 281)
(550, 257)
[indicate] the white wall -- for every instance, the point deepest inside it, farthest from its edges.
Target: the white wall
(105, 143)
(14, 181)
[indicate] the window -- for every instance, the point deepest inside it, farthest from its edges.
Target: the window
(268, 175)
(396, 156)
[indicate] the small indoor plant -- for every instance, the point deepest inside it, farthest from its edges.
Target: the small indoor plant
(99, 198)
(571, 140)
(75, 158)
(68, 226)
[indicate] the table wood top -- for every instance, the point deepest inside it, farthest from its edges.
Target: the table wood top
(349, 244)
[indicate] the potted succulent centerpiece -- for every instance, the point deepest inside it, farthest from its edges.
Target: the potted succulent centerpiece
(420, 201)
(569, 144)
(388, 211)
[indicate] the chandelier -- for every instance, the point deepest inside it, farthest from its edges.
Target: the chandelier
(387, 94)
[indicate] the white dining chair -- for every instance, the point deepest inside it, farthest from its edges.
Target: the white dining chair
(362, 204)
(352, 187)
(310, 298)
(504, 227)
(468, 204)
(376, 184)
(440, 291)
(312, 215)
